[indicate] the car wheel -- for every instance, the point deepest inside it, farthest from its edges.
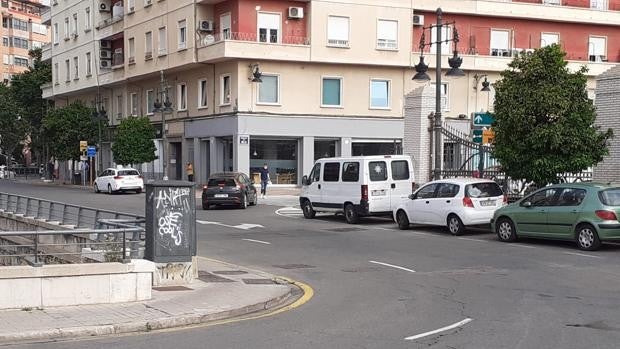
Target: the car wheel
(255, 201)
(587, 238)
(110, 189)
(350, 214)
(402, 220)
(97, 189)
(138, 191)
(244, 202)
(455, 225)
(309, 212)
(505, 230)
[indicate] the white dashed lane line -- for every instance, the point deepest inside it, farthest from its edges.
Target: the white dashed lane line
(257, 241)
(583, 255)
(393, 266)
(439, 330)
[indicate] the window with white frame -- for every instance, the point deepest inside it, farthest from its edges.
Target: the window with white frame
(67, 29)
(56, 72)
(119, 106)
(39, 28)
(202, 93)
(56, 33)
(446, 33)
(87, 18)
(76, 68)
(225, 89)
(597, 49)
(162, 42)
(599, 4)
(148, 45)
(148, 3)
(379, 93)
(225, 27)
(338, 31)
(74, 30)
(269, 27)
(67, 70)
(445, 101)
(387, 34)
(88, 64)
(269, 89)
(150, 102)
(182, 34)
(133, 103)
(182, 96)
(131, 6)
(500, 42)
(548, 39)
(131, 43)
(331, 94)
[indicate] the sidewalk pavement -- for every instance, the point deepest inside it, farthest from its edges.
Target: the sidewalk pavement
(223, 291)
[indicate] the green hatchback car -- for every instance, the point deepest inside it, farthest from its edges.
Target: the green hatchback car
(586, 213)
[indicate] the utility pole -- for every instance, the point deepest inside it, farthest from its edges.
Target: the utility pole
(166, 107)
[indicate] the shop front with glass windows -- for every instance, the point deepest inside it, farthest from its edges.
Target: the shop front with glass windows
(289, 145)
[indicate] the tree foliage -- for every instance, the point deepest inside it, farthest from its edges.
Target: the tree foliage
(13, 128)
(67, 126)
(134, 142)
(544, 121)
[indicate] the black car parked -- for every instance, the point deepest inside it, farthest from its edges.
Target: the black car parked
(229, 188)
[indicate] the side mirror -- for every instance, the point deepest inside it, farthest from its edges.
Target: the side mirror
(305, 180)
(412, 196)
(527, 204)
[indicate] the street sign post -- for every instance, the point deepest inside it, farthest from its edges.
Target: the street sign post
(91, 151)
(485, 119)
(83, 145)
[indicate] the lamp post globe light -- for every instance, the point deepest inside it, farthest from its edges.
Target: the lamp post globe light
(455, 71)
(163, 108)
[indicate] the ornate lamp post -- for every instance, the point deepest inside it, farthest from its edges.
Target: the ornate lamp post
(99, 114)
(165, 108)
(455, 63)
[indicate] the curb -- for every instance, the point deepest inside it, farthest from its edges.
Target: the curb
(294, 293)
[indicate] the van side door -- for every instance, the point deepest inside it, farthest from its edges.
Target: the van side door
(313, 190)
(378, 187)
(400, 186)
(331, 192)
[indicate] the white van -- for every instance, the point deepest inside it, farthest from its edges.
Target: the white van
(357, 186)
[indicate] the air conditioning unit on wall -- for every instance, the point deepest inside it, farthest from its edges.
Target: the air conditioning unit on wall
(103, 7)
(105, 64)
(418, 20)
(105, 54)
(296, 12)
(206, 26)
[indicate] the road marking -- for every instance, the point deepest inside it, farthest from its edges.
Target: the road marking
(259, 241)
(244, 226)
(426, 334)
(421, 233)
(393, 266)
(470, 239)
(521, 245)
(293, 212)
(583, 255)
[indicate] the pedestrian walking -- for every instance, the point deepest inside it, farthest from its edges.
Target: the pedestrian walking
(189, 168)
(264, 180)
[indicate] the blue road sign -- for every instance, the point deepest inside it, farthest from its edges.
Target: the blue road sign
(91, 151)
(477, 136)
(483, 119)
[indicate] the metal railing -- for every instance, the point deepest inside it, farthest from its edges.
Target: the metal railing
(71, 246)
(63, 213)
(254, 37)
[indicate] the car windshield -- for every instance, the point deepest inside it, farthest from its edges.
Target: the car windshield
(128, 173)
(610, 197)
(483, 190)
(226, 182)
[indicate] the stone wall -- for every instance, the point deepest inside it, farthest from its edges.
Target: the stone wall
(608, 116)
(419, 104)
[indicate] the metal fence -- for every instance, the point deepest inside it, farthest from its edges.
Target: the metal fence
(63, 213)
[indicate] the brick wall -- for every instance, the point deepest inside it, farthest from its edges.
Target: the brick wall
(608, 116)
(419, 103)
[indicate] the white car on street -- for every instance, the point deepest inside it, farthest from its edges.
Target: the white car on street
(455, 203)
(119, 179)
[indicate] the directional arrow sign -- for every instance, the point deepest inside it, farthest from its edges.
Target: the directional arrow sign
(483, 119)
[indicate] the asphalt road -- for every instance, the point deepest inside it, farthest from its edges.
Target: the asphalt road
(530, 294)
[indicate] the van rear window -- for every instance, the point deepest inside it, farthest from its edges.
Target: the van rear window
(377, 170)
(331, 171)
(610, 197)
(351, 172)
(400, 170)
(483, 190)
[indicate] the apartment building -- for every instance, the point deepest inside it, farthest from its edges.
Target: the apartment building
(285, 82)
(21, 31)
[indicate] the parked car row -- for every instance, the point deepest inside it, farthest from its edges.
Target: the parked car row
(586, 213)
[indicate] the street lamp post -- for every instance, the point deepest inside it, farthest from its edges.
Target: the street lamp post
(99, 114)
(455, 62)
(165, 108)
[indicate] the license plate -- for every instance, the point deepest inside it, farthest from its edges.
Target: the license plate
(487, 203)
(377, 192)
(221, 195)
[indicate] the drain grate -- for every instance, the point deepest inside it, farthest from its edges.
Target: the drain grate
(230, 272)
(259, 281)
(208, 277)
(343, 230)
(294, 266)
(172, 288)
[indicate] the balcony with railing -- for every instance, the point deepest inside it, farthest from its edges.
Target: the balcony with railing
(228, 44)
(46, 51)
(46, 16)
(111, 22)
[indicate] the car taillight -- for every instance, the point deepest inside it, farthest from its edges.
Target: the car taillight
(205, 187)
(118, 177)
(467, 202)
(141, 176)
(606, 215)
(505, 199)
(365, 192)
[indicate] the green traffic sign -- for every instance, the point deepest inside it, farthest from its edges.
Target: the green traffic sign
(483, 119)
(477, 140)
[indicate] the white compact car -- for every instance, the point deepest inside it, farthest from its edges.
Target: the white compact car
(455, 203)
(119, 179)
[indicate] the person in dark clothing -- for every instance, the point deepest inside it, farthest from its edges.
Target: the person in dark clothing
(264, 180)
